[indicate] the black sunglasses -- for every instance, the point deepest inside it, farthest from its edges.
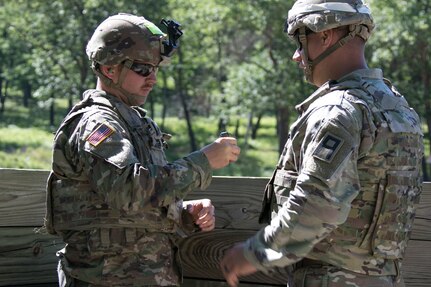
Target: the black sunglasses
(143, 69)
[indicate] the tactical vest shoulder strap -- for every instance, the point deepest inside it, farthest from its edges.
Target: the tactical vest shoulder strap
(268, 200)
(137, 128)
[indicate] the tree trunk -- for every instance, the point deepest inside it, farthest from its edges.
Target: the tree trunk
(1, 96)
(4, 96)
(182, 94)
(70, 102)
(249, 128)
(164, 98)
(256, 126)
(282, 127)
(237, 128)
(26, 91)
(222, 124)
(152, 114)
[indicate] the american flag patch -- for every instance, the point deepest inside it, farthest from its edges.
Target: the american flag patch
(100, 134)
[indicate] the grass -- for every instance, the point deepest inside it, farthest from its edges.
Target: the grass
(25, 148)
(26, 140)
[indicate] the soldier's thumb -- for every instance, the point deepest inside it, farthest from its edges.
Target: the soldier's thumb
(190, 208)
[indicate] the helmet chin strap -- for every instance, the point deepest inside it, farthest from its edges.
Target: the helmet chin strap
(308, 64)
(131, 98)
(354, 30)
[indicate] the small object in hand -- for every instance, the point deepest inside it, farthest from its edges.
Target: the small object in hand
(224, 134)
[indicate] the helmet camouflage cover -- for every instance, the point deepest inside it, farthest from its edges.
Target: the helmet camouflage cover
(126, 37)
(321, 15)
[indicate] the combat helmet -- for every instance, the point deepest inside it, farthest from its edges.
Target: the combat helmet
(320, 15)
(127, 39)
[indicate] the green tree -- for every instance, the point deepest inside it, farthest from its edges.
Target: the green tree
(15, 53)
(45, 48)
(234, 57)
(258, 40)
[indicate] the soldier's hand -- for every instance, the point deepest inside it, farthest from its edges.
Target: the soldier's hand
(202, 211)
(234, 265)
(221, 152)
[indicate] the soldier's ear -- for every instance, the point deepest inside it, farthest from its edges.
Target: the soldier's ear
(108, 71)
(329, 37)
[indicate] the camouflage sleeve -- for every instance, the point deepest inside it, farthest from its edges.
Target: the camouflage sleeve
(109, 159)
(326, 185)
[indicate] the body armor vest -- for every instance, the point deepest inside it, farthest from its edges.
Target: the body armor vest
(64, 194)
(381, 216)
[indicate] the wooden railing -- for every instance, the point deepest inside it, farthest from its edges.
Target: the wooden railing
(29, 258)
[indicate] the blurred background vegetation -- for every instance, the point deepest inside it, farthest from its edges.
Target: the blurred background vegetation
(233, 71)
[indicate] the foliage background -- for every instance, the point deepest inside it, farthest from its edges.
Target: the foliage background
(233, 71)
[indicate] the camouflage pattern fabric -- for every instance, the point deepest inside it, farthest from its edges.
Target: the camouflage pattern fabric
(330, 276)
(126, 37)
(113, 197)
(347, 182)
(321, 15)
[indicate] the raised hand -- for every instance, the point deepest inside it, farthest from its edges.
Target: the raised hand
(221, 152)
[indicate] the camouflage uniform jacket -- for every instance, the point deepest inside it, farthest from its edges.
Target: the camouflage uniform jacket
(347, 181)
(114, 198)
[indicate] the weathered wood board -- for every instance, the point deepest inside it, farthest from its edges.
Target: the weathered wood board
(27, 257)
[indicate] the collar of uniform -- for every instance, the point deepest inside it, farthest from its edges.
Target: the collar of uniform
(323, 90)
(97, 96)
(101, 97)
(142, 112)
(356, 76)
(362, 73)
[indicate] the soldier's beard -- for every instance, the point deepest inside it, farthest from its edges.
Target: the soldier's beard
(133, 99)
(136, 100)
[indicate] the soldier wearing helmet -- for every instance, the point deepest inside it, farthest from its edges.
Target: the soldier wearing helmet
(125, 43)
(111, 195)
(350, 18)
(341, 202)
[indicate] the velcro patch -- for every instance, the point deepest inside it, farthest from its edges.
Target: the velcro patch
(328, 147)
(102, 132)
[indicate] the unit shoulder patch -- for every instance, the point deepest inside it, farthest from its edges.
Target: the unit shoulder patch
(328, 147)
(102, 132)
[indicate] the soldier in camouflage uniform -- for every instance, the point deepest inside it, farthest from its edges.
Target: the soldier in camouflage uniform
(112, 196)
(341, 202)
